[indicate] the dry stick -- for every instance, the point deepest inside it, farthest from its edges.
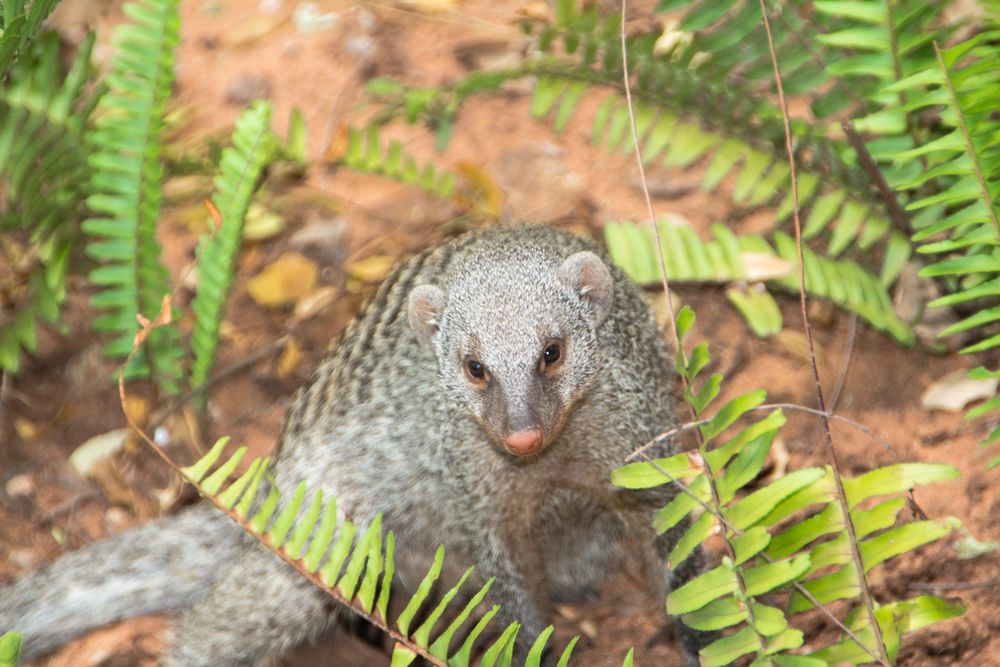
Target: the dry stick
(827, 437)
(899, 217)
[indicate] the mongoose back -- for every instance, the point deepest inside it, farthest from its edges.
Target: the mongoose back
(480, 400)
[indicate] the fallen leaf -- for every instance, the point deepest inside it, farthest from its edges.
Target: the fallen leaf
(96, 449)
(289, 359)
(26, 429)
(249, 31)
(761, 266)
(428, 6)
(137, 409)
(967, 546)
(373, 268)
(20, 485)
(313, 303)
(955, 390)
(779, 459)
(284, 281)
(262, 223)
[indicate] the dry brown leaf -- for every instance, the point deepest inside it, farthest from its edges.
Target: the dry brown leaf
(481, 192)
(371, 269)
(96, 449)
(780, 459)
(137, 409)
(428, 6)
(290, 358)
(250, 31)
(313, 303)
(284, 281)
(955, 390)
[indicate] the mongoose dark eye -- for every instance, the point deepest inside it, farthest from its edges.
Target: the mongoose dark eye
(476, 371)
(551, 356)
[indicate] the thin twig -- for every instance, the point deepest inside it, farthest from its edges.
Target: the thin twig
(645, 186)
(641, 450)
(827, 436)
(730, 549)
(845, 364)
(896, 212)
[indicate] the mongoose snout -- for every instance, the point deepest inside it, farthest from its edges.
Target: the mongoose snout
(522, 443)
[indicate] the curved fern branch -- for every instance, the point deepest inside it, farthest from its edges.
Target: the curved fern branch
(126, 185)
(353, 563)
(240, 168)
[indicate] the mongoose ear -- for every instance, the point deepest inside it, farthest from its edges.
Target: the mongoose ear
(424, 310)
(589, 277)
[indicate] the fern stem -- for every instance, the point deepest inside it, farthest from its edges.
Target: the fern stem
(970, 149)
(866, 595)
(867, 163)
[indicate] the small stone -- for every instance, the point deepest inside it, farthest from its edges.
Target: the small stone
(22, 558)
(246, 89)
(20, 485)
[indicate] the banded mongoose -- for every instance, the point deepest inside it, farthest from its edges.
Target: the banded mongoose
(480, 400)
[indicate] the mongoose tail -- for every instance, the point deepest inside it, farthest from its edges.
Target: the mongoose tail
(162, 567)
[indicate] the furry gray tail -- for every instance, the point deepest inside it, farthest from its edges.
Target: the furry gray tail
(162, 567)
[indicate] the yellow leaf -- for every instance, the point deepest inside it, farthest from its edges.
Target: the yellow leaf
(290, 358)
(371, 269)
(262, 223)
(137, 409)
(285, 281)
(27, 429)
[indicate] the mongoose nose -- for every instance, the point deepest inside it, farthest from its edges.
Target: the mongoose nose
(523, 443)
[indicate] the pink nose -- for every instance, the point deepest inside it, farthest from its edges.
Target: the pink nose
(523, 443)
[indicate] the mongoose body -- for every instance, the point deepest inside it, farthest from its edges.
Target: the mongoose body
(480, 400)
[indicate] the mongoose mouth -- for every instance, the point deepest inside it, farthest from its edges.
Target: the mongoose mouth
(523, 443)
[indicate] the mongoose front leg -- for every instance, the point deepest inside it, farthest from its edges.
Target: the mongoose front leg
(691, 640)
(258, 611)
(518, 587)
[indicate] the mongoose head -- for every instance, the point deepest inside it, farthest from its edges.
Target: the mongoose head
(515, 335)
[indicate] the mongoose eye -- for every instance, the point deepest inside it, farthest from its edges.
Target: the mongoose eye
(551, 356)
(475, 369)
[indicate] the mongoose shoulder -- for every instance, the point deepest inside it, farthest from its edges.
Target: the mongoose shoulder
(480, 400)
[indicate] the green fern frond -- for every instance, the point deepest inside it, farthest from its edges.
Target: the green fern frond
(240, 168)
(364, 153)
(769, 556)
(126, 184)
(10, 649)
(962, 228)
(727, 257)
(44, 173)
(353, 563)
(18, 26)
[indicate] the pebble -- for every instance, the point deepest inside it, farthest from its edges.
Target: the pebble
(20, 485)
